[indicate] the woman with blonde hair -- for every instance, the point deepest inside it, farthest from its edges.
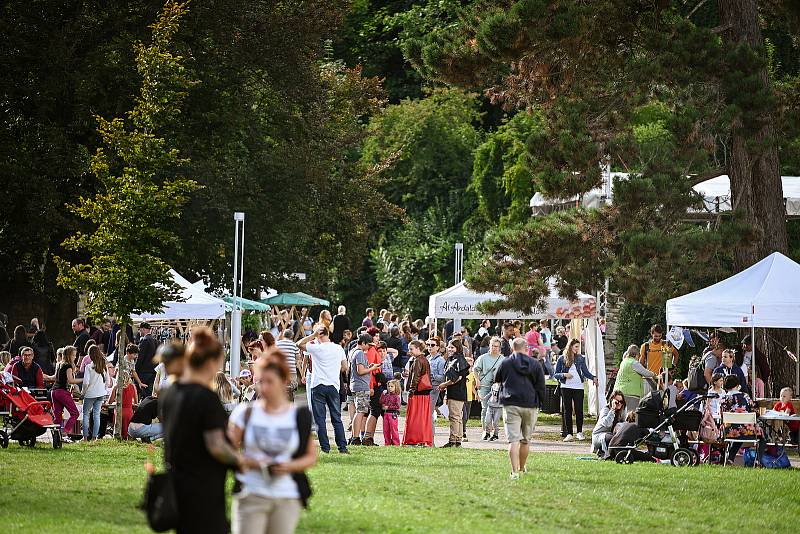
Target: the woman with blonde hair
(571, 372)
(94, 391)
(630, 378)
(224, 391)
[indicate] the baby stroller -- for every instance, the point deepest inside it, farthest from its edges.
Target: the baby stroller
(24, 418)
(663, 431)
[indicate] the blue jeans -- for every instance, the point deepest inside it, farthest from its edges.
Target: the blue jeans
(323, 397)
(151, 431)
(92, 406)
(434, 399)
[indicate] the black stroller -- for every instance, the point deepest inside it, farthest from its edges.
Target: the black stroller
(663, 431)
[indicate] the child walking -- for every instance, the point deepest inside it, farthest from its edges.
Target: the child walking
(493, 410)
(390, 400)
(94, 391)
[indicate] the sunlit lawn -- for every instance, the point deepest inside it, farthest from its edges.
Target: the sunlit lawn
(96, 489)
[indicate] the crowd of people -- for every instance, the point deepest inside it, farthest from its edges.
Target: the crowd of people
(254, 423)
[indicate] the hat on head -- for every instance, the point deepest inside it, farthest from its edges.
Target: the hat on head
(244, 373)
(746, 340)
(145, 325)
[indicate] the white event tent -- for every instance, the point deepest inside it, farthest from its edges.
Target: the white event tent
(459, 302)
(196, 305)
(765, 295)
(716, 193)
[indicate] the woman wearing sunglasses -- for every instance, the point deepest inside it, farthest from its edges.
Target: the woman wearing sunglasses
(610, 415)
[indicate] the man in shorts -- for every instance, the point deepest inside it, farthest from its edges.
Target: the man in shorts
(522, 381)
(360, 376)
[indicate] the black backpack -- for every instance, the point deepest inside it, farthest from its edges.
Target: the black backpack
(697, 379)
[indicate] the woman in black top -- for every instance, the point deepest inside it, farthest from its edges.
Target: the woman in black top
(195, 448)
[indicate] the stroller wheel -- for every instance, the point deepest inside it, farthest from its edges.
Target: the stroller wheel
(682, 457)
(56, 433)
(623, 457)
(696, 456)
(3, 439)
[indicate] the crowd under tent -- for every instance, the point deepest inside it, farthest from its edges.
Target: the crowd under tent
(765, 295)
(460, 303)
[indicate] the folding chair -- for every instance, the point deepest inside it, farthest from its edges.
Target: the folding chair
(737, 418)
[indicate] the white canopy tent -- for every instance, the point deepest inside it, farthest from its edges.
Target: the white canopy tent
(765, 295)
(459, 302)
(716, 193)
(196, 305)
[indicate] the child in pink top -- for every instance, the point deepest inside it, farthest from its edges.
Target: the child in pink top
(390, 400)
(534, 339)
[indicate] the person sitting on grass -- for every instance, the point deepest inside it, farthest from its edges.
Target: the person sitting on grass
(611, 414)
(142, 425)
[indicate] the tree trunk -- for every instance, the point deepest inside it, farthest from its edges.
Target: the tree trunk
(122, 365)
(754, 171)
(753, 167)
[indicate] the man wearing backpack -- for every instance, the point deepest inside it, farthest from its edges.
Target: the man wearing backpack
(652, 353)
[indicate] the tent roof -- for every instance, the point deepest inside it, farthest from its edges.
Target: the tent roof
(716, 193)
(765, 295)
(247, 304)
(197, 304)
(295, 299)
(461, 302)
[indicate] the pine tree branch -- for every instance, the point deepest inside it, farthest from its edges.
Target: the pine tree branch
(695, 179)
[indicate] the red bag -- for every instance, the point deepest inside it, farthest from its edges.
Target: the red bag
(424, 383)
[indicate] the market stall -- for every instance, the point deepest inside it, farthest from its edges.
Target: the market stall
(196, 308)
(765, 295)
(459, 302)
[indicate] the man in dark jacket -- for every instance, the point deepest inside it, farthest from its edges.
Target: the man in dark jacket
(145, 367)
(81, 336)
(522, 381)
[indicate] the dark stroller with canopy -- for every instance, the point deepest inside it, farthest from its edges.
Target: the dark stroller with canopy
(663, 432)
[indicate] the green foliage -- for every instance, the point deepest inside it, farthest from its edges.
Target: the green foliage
(415, 261)
(141, 190)
(633, 325)
(501, 175)
(422, 150)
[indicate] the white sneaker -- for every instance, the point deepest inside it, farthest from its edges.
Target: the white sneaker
(514, 476)
(569, 438)
(579, 436)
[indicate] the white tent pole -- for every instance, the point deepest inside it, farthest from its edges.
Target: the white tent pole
(753, 360)
(797, 365)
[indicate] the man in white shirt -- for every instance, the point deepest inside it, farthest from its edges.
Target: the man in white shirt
(327, 361)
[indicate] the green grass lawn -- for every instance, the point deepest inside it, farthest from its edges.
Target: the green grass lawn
(96, 488)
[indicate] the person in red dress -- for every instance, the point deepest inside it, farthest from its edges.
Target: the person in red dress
(129, 398)
(419, 424)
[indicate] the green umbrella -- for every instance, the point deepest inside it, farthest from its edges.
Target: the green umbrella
(295, 299)
(246, 304)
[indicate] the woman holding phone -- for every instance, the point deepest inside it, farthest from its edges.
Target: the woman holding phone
(278, 434)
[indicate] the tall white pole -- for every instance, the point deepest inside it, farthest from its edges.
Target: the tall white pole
(753, 360)
(236, 314)
(459, 276)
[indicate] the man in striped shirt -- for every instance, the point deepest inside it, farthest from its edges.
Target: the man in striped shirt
(290, 350)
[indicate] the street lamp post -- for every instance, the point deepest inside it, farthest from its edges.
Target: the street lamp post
(238, 281)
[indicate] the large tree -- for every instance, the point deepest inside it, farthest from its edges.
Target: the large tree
(272, 130)
(591, 67)
(141, 192)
